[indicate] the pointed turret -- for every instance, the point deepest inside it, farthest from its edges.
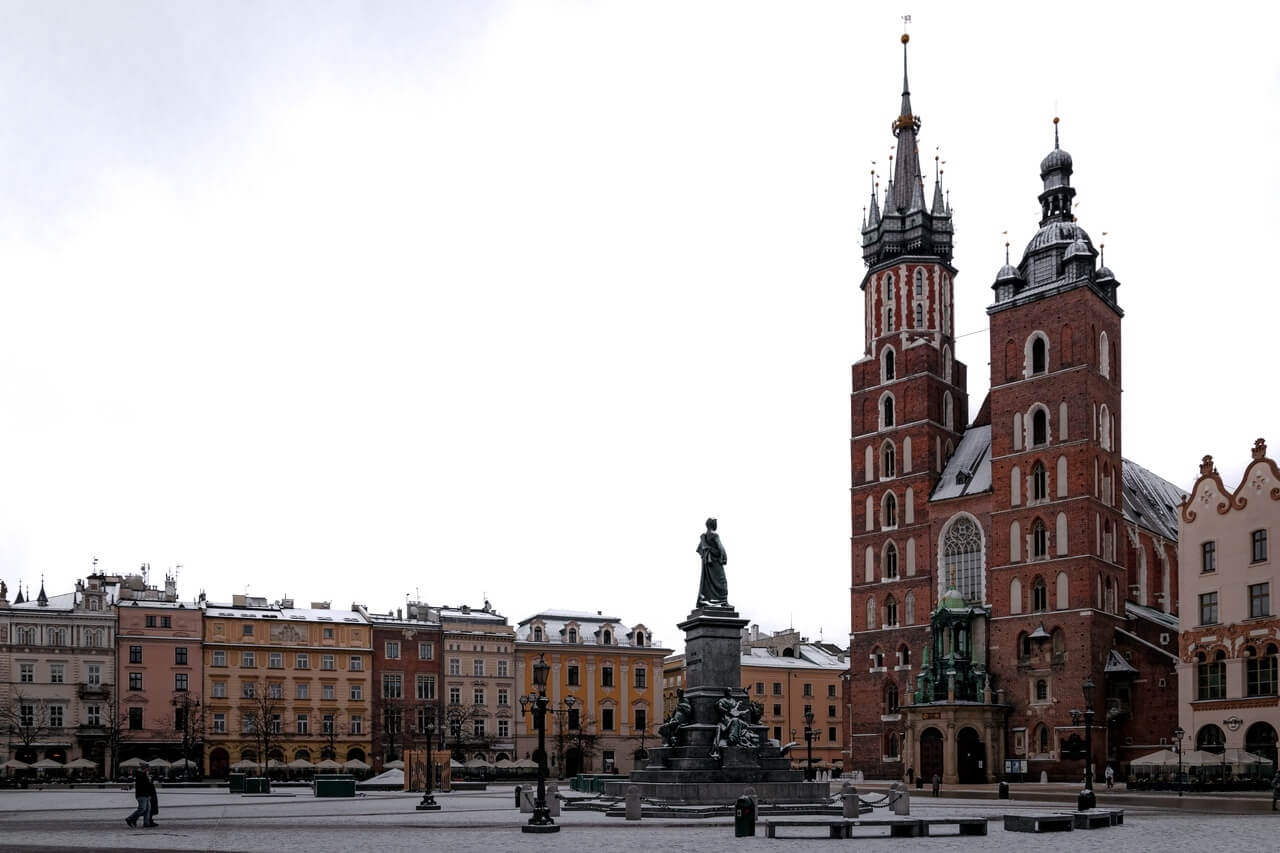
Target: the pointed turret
(20, 599)
(42, 599)
(873, 218)
(906, 177)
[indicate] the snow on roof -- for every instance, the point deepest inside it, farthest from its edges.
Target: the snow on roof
(1151, 501)
(968, 471)
(1167, 620)
(810, 657)
(65, 601)
(590, 626)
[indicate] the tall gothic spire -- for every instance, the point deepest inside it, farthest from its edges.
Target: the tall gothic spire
(906, 178)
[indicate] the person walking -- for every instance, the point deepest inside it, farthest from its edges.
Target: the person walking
(1275, 789)
(143, 791)
(1111, 776)
(937, 784)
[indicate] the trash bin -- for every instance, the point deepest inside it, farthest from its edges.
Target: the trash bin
(235, 783)
(257, 785)
(335, 785)
(1004, 790)
(517, 796)
(919, 783)
(744, 817)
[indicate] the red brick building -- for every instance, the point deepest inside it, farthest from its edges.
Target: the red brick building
(1042, 556)
(406, 680)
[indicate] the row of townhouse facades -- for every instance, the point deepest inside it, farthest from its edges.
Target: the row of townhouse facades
(119, 669)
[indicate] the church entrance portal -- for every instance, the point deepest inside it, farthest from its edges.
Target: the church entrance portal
(930, 754)
(969, 755)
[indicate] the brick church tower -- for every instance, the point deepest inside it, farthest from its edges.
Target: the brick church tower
(1057, 518)
(909, 405)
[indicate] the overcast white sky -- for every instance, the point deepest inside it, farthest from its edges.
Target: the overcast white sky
(350, 301)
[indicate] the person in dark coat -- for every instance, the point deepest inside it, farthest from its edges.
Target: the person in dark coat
(145, 792)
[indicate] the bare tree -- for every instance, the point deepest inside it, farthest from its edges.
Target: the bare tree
(187, 725)
(331, 724)
(25, 719)
(260, 712)
(457, 716)
(392, 729)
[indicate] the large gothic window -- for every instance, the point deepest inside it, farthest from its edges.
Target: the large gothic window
(919, 315)
(889, 372)
(890, 560)
(1038, 358)
(1039, 428)
(1039, 540)
(888, 411)
(962, 558)
(1039, 482)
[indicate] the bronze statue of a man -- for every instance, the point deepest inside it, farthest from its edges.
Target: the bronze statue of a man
(713, 590)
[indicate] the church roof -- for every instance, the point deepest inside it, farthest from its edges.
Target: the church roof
(1151, 501)
(968, 471)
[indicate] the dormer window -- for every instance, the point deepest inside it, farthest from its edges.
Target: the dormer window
(606, 637)
(537, 634)
(572, 635)
(639, 638)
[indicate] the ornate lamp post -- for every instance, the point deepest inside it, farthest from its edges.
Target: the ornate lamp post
(1179, 733)
(428, 803)
(541, 820)
(808, 740)
(1087, 800)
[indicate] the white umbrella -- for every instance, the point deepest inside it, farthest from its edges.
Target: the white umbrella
(158, 763)
(328, 764)
(274, 764)
(48, 764)
(526, 763)
(301, 764)
(1159, 758)
(82, 764)
(355, 764)
(453, 762)
(394, 765)
(504, 764)
(477, 762)
(244, 764)
(131, 763)
(15, 764)
(184, 763)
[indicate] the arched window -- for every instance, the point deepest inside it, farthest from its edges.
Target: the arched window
(1063, 596)
(891, 699)
(640, 638)
(906, 455)
(871, 614)
(1015, 541)
(889, 510)
(890, 560)
(1024, 645)
(1015, 596)
(1260, 671)
(946, 364)
(1039, 357)
(877, 658)
(1110, 601)
(1039, 595)
(910, 607)
(1039, 428)
(537, 634)
(1039, 482)
(1104, 355)
(1042, 739)
(607, 637)
(871, 513)
(886, 409)
(1211, 739)
(1061, 534)
(891, 612)
(1042, 690)
(1104, 427)
(908, 506)
(904, 655)
(888, 464)
(962, 558)
(919, 315)
(890, 373)
(1015, 486)
(1211, 676)
(870, 563)
(1062, 476)
(888, 288)
(573, 635)
(892, 746)
(948, 411)
(1039, 540)
(1017, 430)
(919, 283)
(1062, 421)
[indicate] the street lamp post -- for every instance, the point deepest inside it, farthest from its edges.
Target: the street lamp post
(428, 803)
(808, 740)
(541, 820)
(1087, 800)
(1179, 733)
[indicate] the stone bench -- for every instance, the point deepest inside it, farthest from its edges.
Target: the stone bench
(966, 825)
(838, 828)
(899, 827)
(1047, 822)
(1097, 818)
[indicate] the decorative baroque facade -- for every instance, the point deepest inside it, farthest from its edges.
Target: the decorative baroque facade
(1230, 643)
(1042, 555)
(603, 687)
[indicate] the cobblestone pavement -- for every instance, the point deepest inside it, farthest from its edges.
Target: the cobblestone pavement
(212, 819)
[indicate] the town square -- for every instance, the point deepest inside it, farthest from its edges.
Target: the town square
(448, 424)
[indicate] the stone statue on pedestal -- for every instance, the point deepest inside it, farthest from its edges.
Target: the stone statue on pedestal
(734, 728)
(669, 731)
(713, 589)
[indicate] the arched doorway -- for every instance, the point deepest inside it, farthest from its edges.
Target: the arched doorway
(355, 752)
(1260, 739)
(572, 762)
(970, 769)
(219, 762)
(930, 754)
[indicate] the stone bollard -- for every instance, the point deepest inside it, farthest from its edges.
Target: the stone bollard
(633, 802)
(553, 799)
(849, 800)
(902, 803)
(1044, 777)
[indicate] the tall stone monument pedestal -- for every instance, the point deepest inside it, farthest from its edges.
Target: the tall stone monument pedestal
(697, 768)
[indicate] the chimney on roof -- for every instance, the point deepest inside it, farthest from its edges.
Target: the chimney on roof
(237, 600)
(319, 605)
(399, 614)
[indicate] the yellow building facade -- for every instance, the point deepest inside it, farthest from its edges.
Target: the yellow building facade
(301, 675)
(604, 687)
